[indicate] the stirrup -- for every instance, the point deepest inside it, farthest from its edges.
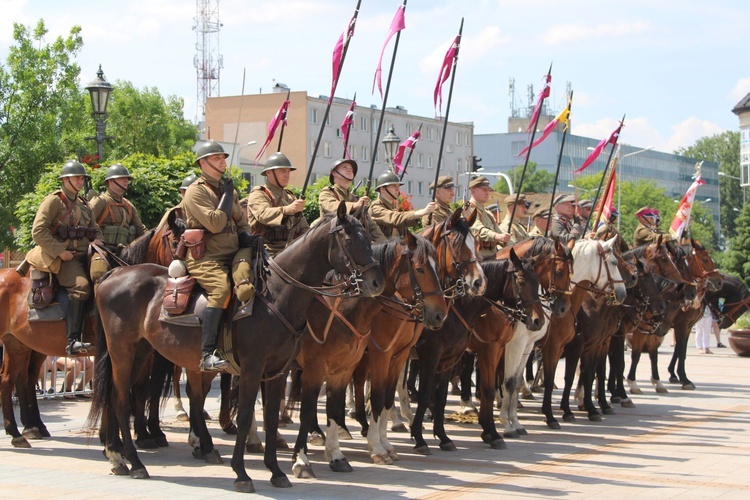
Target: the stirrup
(77, 347)
(212, 363)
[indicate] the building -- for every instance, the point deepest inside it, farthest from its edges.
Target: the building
(247, 118)
(742, 110)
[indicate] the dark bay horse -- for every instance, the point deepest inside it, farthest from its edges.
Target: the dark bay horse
(265, 342)
(736, 300)
(338, 333)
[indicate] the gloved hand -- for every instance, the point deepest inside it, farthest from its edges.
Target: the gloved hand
(248, 240)
(228, 186)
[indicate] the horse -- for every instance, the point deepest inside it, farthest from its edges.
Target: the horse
(265, 342)
(338, 332)
(736, 300)
(39, 339)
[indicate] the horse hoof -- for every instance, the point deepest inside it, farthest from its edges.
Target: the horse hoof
(636, 390)
(244, 486)
(340, 465)
(120, 470)
(286, 419)
(281, 444)
(254, 448)
(399, 428)
(595, 417)
(139, 474)
(522, 432)
(569, 418)
(688, 387)
(662, 390)
(449, 446)
(363, 432)
(280, 424)
(674, 380)
(498, 444)
(206, 416)
(161, 441)
(213, 457)
(344, 434)
(608, 411)
(553, 424)
(281, 482)
(146, 444)
(182, 416)
(627, 403)
(303, 472)
(511, 434)
(382, 459)
(317, 440)
(230, 429)
(528, 396)
(581, 408)
(32, 433)
(615, 399)
(423, 450)
(20, 442)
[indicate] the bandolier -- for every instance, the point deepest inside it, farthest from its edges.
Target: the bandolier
(115, 215)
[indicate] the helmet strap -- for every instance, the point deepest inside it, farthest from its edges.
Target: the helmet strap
(114, 181)
(342, 175)
(212, 167)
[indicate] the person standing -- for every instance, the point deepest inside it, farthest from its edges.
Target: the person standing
(393, 221)
(518, 231)
(565, 226)
(703, 331)
(444, 194)
(485, 228)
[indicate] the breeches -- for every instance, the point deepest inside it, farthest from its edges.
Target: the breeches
(214, 278)
(73, 277)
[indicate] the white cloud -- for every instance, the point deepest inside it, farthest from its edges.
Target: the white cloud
(565, 33)
(478, 45)
(688, 131)
(740, 89)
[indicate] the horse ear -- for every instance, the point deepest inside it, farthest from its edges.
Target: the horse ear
(453, 219)
(341, 212)
(411, 240)
(515, 259)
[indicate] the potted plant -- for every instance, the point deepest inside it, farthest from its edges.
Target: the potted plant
(739, 335)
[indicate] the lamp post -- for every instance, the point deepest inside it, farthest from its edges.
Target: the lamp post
(619, 181)
(390, 144)
(738, 179)
(239, 151)
(99, 90)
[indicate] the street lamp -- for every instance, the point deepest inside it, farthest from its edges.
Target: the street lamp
(619, 181)
(99, 90)
(390, 144)
(239, 151)
(738, 179)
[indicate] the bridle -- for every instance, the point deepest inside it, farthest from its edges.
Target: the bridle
(518, 311)
(456, 269)
(608, 290)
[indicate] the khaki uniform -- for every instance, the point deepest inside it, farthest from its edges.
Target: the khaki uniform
(390, 219)
(565, 229)
(266, 217)
(220, 238)
(484, 229)
(179, 213)
(117, 218)
(607, 230)
(517, 234)
(329, 199)
(59, 211)
(535, 231)
(644, 235)
(442, 212)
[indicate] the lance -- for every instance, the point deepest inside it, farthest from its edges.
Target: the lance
(330, 100)
(283, 123)
(559, 161)
(239, 117)
(448, 108)
(604, 174)
(349, 129)
(698, 167)
(382, 111)
(528, 152)
(408, 158)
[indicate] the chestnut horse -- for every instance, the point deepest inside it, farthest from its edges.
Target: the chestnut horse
(265, 343)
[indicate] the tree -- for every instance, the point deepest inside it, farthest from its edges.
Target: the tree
(535, 181)
(41, 108)
(723, 149)
(737, 259)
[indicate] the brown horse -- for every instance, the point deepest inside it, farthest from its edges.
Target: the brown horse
(265, 342)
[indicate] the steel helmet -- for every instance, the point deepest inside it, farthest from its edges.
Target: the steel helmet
(387, 178)
(336, 164)
(208, 148)
(277, 160)
(189, 179)
(72, 169)
(117, 171)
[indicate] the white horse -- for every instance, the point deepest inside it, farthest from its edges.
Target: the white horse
(593, 261)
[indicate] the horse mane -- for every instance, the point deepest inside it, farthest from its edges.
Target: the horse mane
(136, 251)
(386, 253)
(636, 252)
(542, 245)
(496, 271)
(461, 227)
(665, 285)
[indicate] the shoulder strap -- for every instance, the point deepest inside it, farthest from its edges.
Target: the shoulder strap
(69, 206)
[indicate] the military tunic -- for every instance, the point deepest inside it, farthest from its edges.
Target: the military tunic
(390, 219)
(484, 229)
(179, 214)
(60, 210)
(329, 199)
(535, 231)
(565, 229)
(442, 212)
(518, 233)
(644, 235)
(118, 219)
(220, 238)
(265, 215)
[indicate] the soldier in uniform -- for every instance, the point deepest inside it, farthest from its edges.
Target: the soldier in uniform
(565, 226)
(518, 233)
(541, 221)
(444, 194)
(608, 229)
(116, 216)
(485, 228)
(648, 230)
(273, 211)
(189, 179)
(385, 211)
(212, 205)
(341, 177)
(63, 227)
(583, 211)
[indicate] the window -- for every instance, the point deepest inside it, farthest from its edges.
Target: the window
(408, 129)
(458, 138)
(516, 147)
(365, 153)
(313, 116)
(419, 161)
(408, 187)
(459, 192)
(339, 133)
(458, 164)
(449, 148)
(363, 123)
(429, 133)
(312, 147)
(352, 151)
(429, 161)
(327, 149)
(466, 139)
(419, 187)
(374, 125)
(377, 155)
(439, 134)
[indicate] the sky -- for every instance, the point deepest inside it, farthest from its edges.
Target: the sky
(674, 68)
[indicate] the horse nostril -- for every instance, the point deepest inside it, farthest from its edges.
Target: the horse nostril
(477, 284)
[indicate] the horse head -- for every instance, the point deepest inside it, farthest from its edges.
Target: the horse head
(736, 300)
(596, 263)
(628, 270)
(513, 281)
(646, 292)
(678, 256)
(702, 266)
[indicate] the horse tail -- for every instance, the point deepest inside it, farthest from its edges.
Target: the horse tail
(160, 382)
(295, 390)
(102, 377)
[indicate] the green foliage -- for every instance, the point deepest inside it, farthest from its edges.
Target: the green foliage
(312, 207)
(742, 323)
(535, 181)
(737, 259)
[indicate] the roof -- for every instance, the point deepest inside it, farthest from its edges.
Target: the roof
(742, 106)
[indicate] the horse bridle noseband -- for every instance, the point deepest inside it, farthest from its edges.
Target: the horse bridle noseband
(516, 312)
(460, 287)
(611, 282)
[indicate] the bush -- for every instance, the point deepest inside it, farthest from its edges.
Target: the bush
(742, 323)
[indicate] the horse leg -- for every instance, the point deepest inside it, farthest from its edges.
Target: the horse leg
(404, 404)
(572, 357)
(161, 373)
(224, 419)
(441, 397)
(550, 358)
(588, 372)
(122, 370)
(466, 369)
(514, 362)
(358, 379)
(182, 415)
(635, 357)
(274, 393)
(253, 443)
(248, 393)
(653, 355)
(34, 428)
(487, 360)
(311, 382)
(197, 388)
(16, 357)
(601, 371)
(335, 409)
(138, 397)
(680, 356)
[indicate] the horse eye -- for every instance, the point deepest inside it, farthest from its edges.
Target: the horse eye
(420, 270)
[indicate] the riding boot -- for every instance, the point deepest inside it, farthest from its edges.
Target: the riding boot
(74, 324)
(212, 321)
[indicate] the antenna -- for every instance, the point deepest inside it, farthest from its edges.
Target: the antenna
(207, 61)
(531, 96)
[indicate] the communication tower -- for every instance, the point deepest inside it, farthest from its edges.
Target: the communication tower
(208, 61)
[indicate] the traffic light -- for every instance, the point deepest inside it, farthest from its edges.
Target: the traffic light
(475, 163)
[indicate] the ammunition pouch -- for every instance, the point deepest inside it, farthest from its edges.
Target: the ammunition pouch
(195, 241)
(65, 233)
(117, 235)
(177, 294)
(276, 233)
(43, 289)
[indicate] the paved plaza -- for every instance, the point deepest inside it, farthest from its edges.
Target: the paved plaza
(685, 444)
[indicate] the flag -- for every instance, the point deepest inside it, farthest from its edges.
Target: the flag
(346, 125)
(399, 156)
(278, 118)
(538, 108)
(606, 203)
(682, 217)
(338, 54)
(612, 139)
(445, 72)
(397, 25)
(563, 117)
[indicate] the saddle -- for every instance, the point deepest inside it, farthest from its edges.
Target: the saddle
(46, 300)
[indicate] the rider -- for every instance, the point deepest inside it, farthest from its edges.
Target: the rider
(212, 205)
(341, 177)
(541, 221)
(565, 226)
(444, 194)
(485, 227)
(583, 211)
(518, 233)
(63, 227)
(608, 229)
(648, 230)
(386, 212)
(273, 211)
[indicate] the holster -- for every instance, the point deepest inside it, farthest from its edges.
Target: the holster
(43, 290)
(195, 241)
(177, 294)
